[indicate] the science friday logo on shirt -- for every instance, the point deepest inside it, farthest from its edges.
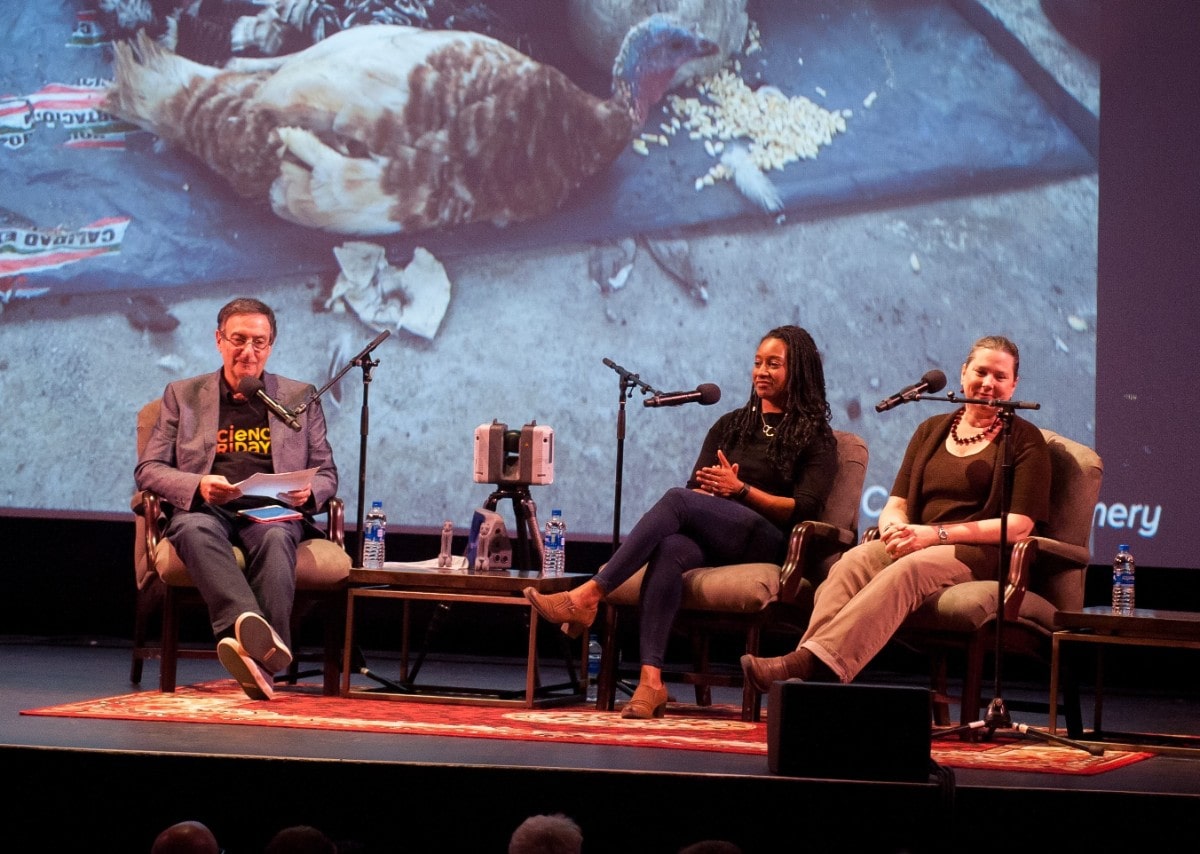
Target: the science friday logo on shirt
(244, 440)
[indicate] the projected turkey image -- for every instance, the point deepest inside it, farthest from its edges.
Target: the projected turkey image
(524, 194)
(384, 129)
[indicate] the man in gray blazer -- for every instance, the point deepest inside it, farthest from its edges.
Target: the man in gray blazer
(213, 432)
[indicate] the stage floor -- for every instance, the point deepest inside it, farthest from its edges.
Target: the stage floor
(43, 672)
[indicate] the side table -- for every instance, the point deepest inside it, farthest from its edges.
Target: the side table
(408, 583)
(1143, 627)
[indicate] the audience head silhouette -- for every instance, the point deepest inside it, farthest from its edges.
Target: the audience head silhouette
(186, 837)
(711, 846)
(547, 834)
(301, 839)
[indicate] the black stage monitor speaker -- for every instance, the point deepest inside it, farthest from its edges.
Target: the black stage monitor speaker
(856, 732)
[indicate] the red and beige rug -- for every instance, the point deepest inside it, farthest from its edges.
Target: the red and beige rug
(686, 727)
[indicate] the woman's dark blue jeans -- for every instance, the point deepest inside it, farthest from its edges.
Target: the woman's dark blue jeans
(684, 529)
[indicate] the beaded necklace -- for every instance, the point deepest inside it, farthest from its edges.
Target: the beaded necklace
(979, 437)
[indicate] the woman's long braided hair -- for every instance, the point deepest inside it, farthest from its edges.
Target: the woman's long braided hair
(806, 414)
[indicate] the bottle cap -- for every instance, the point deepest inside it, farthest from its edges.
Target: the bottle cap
(1124, 547)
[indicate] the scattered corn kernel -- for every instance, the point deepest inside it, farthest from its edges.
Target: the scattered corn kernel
(779, 129)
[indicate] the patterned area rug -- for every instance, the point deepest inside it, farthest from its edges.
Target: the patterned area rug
(686, 727)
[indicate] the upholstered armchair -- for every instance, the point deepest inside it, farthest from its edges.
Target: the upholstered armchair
(748, 599)
(165, 588)
(1045, 574)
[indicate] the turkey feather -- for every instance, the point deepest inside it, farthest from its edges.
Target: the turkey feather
(751, 181)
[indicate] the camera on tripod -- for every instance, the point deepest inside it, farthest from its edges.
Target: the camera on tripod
(513, 460)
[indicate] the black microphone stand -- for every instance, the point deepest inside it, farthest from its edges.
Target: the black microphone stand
(997, 716)
(362, 360)
(359, 361)
(629, 381)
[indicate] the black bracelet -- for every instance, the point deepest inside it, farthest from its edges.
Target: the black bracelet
(743, 492)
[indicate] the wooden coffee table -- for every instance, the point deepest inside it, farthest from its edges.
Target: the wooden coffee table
(503, 588)
(1143, 627)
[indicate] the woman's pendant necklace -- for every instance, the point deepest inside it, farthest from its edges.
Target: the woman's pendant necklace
(768, 430)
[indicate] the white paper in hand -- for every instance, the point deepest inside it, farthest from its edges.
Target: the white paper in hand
(271, 485)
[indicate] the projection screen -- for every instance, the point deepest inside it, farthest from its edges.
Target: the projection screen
(951, 192)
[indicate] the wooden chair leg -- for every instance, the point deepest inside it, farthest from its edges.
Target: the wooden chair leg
(606, 690)
(149, 601)
(751, 699)
(330, 609)
(292, 674)
(941, 688)
(972, 691)
(170, 642)
(335, 635)
(700, 657)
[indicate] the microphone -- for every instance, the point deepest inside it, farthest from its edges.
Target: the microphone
(253, 387)
(933, 381)
(705, 394)
(1010, 405)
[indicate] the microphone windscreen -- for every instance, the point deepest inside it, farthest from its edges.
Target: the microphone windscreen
(934, 380)
(249, 386)
(710, 393)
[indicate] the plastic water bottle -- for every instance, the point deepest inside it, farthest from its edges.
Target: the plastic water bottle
(593, 671)
(554, 540)
(1123, 570)
(446, 555)
(374, 537)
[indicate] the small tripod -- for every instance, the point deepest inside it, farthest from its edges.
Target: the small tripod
(529, 553)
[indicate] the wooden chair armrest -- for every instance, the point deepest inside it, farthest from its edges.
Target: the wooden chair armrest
(810, 543)
(335, 529)
(1054, 555)
(1051, 556)
(1020, 569)
(149, 528)
(150, 508)
(1060, 573)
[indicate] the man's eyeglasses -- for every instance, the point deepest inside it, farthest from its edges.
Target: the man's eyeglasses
(259, 343)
